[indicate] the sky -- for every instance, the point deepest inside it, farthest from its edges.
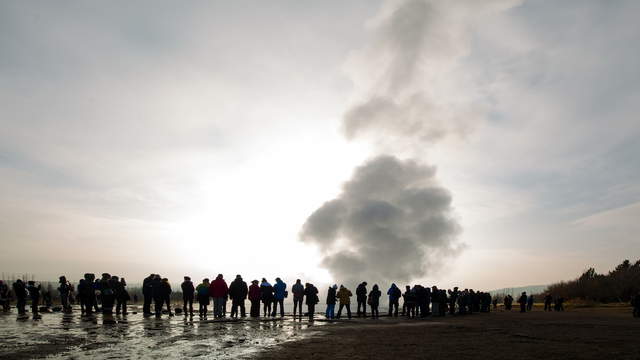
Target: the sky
(461, 143)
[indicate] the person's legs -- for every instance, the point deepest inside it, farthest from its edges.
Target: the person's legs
(146, 306)
(311, 311)
(157, 303)
(339, 311)
(348, 310)
(295, 306)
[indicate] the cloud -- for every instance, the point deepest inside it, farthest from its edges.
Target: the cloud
(391, 222)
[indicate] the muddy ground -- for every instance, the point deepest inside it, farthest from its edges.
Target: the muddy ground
(604, 333)
(588, 333)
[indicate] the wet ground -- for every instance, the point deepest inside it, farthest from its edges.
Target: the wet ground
(71, 336)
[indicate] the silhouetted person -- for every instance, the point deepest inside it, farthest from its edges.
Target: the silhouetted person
(238, 292)
(158, 294)
(219, 291)
(64, 289)
(374, 301)
(635, 302)
(147, 294)
(409, 304)
(122, 297)
(187, 295)
(361, 298)
(279, 293)
(453, 299)
(530, 301)
(331, 302)
(203, 297)
(495, 304)
(311, 294)
(166, 295)
(107, 294)
(407, 289)
(4, 296)
(85, 292)
(508, 302)
(298, 297)
(548, 300)
(34, 294)
(523, 302)
(559, 306)
(266, 295)
(394, 296)
(254, 297)
(344, 295)
(20, 292)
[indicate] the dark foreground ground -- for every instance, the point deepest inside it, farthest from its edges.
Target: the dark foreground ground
(603, 333)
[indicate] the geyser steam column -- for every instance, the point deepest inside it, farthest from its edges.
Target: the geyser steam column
(391, 222)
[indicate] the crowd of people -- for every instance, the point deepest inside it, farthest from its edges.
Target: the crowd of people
(418, 301)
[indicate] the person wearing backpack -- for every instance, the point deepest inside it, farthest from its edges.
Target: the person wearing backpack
(374, 301)
(331, 302)
(311, 294)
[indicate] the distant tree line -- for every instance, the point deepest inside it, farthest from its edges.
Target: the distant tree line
(619, 285)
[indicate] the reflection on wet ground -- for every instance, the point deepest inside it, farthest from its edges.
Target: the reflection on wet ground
(58, 335)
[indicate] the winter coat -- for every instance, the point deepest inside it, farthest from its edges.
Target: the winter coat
(254, 292)
(34, 292)
(187, 289)
(312, 295)
(238, 290)
(203, 290)
(279, 290)
(266, 293)
(344, 295)
(20, 290)
(165, 289)
(218, 288)
(374, 297)
(361, 292)
(147, 286)
(331, 296)
(298, 291)
(156, 288)
(394, 293)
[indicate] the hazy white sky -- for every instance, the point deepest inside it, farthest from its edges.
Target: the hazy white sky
(197, 137)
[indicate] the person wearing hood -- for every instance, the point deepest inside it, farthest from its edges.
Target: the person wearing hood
(187, 295)
(21, 296)
(238, 292)
(374, 301)
(254, 297)
(34, 294)
(203, 297)
(266, 295)
(394, 295)
(279, 293)
(219, 291)
(331, 302)
(361, 297)
(298, 297)
(311, 293)
(344, 295)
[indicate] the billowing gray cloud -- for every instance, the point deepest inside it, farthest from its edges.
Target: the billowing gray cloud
(390, 223)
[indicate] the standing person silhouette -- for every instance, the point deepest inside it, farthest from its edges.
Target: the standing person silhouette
(266, 295)
(254, 297)
(311, 294)
(344, 295)
(523, 302)
(298, 297)
(279, 293)
(331, 302)
(361, 298)
(374, 301)
(394, 295)
(238, 292)
(187, 295)
(203, 297)
(219, 291)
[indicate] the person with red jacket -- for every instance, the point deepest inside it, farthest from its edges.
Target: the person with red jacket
(219, 291)
(254, 297)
